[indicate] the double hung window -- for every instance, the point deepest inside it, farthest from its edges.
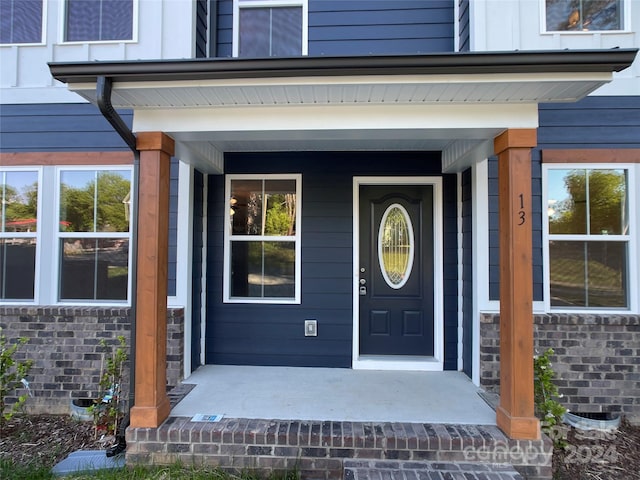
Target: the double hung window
(270, 28)
(584, 15)
(99, 20)
(262, 258)
(18, 235)
(589, 237)
(21, 21)
(94, 234)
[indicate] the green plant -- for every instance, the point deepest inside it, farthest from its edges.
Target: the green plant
(548, 409)
(107, 409)
(12, 373)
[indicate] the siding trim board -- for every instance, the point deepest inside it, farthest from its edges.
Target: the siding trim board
(16, 159)
(595, 155)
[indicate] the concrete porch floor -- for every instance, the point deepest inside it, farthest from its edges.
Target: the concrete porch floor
(334, 394)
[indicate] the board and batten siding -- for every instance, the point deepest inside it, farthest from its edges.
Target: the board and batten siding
(467, 271)
(77, 127)
(259, 334)
(354, 27)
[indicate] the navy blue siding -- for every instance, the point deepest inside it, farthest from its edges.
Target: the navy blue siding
(224, 39)
(494, 241)
(201, 28)
(76, 127)
(355, 27)
(274, 334)
(594, 122)
(198, 251)
(58, 128)
(450, 270)
(464, 26)
(467, 272)
(173, 226)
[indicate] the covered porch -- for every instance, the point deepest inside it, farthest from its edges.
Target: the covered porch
(466, 106)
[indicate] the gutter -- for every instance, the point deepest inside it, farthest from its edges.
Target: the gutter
(103, 95)
(550, 61)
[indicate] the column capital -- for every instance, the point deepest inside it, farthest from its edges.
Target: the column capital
(158, 141)
(515, 138)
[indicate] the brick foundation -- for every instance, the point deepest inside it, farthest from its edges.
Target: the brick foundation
(64, 344)
(597, 359)
(318, 449)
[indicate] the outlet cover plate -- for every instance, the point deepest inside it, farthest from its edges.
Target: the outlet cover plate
(310, 328)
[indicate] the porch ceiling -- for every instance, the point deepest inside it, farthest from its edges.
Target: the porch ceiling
(349, 103)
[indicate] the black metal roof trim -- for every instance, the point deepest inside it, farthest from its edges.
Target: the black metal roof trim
(550, 61)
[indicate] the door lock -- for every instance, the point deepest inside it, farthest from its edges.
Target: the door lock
(363, 290)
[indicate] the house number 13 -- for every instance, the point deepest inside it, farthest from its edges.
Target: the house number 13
(521, 214)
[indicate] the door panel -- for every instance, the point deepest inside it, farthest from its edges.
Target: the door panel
(396, 294)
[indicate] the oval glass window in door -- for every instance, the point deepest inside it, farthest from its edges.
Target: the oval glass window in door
(395, 246)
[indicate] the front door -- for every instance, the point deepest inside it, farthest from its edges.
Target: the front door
(396, 293)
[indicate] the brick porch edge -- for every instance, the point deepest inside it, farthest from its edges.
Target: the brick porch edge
(318, 449)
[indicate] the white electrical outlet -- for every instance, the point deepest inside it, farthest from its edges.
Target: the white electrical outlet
(310, 328)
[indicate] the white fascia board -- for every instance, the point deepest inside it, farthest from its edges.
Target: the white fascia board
(337, 117)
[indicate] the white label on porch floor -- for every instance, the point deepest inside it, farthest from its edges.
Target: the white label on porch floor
(202, 417)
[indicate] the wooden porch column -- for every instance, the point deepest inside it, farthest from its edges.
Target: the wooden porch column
(515, 414)
(151, 402)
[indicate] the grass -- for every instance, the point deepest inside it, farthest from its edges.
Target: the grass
(171, 472)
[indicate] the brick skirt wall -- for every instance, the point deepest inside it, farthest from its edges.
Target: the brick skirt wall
(64, 344)
(597, 359)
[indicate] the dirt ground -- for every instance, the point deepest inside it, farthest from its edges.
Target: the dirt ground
(47, 439)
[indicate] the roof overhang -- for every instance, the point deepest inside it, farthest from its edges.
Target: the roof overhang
(345, 102)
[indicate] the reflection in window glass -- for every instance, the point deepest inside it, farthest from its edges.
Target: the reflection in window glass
(92, 201)
(589, 236)
(248, 217)
(94, 269)
(20, 21)
(19, 224)
(263, 269)
(96, 20)
(270, 32)
(584, 15)
(589, 202)
(395, 246)
(588, 274)
(263, 239)
(94, 234)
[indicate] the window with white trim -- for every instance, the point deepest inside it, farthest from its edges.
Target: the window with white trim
(584, 15)
(98, 20)
(18, 236)
(262, 239)
(21, 21)
(93, 234)
(589, 232)
(270, 28)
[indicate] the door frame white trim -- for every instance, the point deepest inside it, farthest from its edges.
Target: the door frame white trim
(395, 362)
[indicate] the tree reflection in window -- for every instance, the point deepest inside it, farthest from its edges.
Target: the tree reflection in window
(584, 15)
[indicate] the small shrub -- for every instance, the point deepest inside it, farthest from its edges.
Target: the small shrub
(548, 409)
(107, 409)
(12, 372)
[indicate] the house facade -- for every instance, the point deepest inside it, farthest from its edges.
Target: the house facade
(408, 185)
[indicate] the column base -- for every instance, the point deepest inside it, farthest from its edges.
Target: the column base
(150, 417)
(518, 428)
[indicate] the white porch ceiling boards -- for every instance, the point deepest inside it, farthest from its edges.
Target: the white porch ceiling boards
(438, 89)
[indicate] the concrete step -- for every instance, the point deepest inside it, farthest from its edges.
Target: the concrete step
(411, 470)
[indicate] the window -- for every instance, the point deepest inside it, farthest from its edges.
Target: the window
(18, 237)
(270, 28)
(21, 21)
(93, 234)
(262, 258)
(589, 233)
(99, 20)
(584, 15)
